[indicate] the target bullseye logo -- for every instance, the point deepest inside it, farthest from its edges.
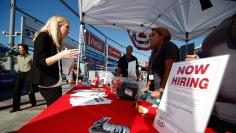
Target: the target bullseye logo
(161, 122)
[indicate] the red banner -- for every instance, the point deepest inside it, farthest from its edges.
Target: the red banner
(114, 52)
(94, 42)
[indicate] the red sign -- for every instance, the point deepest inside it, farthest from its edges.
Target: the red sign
(114, 52)
(201, 83)
(94, 42)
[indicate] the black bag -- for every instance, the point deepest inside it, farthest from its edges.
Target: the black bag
(128, 91)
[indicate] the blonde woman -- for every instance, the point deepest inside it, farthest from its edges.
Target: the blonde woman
(48, 51)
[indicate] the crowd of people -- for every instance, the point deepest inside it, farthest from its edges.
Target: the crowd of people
(49, 51)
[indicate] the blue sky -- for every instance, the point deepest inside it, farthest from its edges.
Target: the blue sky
(43, 9)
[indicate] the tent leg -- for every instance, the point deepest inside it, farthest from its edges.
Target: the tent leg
(81, 37)
(186, 40)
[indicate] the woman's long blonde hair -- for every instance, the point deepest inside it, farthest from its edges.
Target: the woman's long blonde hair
(51, 27)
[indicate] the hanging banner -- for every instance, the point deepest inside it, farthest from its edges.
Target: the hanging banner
(94, 42)
(95, 59)
(95, 52)
(95, 55)
(140, 40)
(189, 95)
(114, 52)
(113, 58)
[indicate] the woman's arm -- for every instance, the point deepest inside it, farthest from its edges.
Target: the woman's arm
(41, 49)
(171, 54)
(168, 65)
(72, 53)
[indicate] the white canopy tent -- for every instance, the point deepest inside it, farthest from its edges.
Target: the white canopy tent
(186, 19)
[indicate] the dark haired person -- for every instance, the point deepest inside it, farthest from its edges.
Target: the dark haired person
(164, 54)
(24, 61)
(71, 78)
(124, 61)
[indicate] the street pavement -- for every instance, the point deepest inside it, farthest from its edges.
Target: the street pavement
(11, 122)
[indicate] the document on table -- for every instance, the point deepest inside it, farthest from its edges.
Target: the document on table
(88, 97)
(88, 101)
(189, 95)
(89, 94)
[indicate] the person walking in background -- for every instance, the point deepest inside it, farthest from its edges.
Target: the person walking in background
(24, 61)
(71, 77)
(48, 52)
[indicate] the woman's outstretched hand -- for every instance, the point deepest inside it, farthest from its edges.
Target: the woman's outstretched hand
(69, 53)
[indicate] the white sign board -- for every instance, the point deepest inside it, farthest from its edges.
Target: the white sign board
(106, 77)
(29, 27)
(132, 69)
(92, 75)
(103, 78)
(189, 95)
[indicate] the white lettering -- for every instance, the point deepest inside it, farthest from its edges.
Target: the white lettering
(97, 44)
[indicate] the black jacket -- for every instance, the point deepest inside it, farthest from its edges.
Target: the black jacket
(41, 74)
(123, 64)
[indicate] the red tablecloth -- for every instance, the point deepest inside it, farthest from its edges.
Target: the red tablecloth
(61, 117)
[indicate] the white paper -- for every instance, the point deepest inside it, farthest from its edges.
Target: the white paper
(92, 75)
(185, 105)
(151, 77)
(88, 101)
(91, 94)
(108, 76)
(132, 69)
(66, 64)
(103, 78)
(128, 92)
(88, 97)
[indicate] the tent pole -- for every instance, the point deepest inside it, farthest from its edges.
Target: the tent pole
(186, 40)
(106, 53)
(10, 62)
(81, 37)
